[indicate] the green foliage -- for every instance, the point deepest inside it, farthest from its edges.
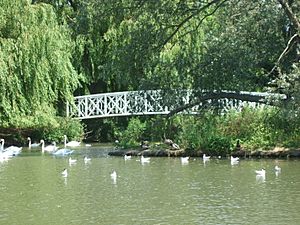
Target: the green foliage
(218, 145)
(255, 128)
(36, 70)
(133, 135)
(155, 129)
(36, 74)
(62, 126)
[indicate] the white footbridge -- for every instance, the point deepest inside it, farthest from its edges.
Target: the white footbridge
(149, 102)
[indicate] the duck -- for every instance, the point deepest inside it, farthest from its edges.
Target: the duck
(48, 148)
(185, 160)
(261, 172)
(71, 143)
(32, 145)
(64, 173)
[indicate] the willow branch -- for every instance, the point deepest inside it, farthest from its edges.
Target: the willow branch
(187, 19)
(294, 39)
(293, 18)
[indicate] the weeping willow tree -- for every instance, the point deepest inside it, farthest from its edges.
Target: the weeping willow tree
(36, 74)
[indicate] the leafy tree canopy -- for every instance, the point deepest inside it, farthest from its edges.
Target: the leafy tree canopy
(36, 73)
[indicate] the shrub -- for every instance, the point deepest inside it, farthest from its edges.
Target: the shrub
(133, 134)
(218, 145)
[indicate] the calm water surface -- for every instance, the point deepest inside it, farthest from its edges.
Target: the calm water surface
(160, 192)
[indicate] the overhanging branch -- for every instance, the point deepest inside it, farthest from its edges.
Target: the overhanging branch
(248, 97)
(188, 18)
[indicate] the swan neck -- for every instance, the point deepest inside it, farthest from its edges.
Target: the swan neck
(43, 146)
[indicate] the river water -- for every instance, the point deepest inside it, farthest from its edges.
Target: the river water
(164, 191)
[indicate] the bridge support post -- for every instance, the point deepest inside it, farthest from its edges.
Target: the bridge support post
(86, 107)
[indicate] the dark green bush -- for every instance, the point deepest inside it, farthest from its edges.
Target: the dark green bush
(218, 145)
(133, 134)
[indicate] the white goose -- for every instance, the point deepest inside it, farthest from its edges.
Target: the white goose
(71, 143)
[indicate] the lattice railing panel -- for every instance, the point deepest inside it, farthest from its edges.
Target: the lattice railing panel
(149, 102)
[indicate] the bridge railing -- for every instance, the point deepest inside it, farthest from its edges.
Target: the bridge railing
(149, 102)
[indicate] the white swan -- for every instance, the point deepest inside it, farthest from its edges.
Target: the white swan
(71, 143)
(63, 151)
(261, 172)
(205, 158)
(64, 173)
(185, 160)
(2, 144)
(144, 160)
(72, 161)
(4, 156)
(32, 145)
(10, 151)
(48, 148)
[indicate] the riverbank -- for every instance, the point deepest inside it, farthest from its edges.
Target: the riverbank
(275, 153)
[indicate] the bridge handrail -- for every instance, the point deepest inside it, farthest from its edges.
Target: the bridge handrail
(141, 102)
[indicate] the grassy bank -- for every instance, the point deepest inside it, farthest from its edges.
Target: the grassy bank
(251, 129)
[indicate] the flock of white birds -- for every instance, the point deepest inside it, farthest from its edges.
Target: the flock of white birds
(260, 174)
(11, 151)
